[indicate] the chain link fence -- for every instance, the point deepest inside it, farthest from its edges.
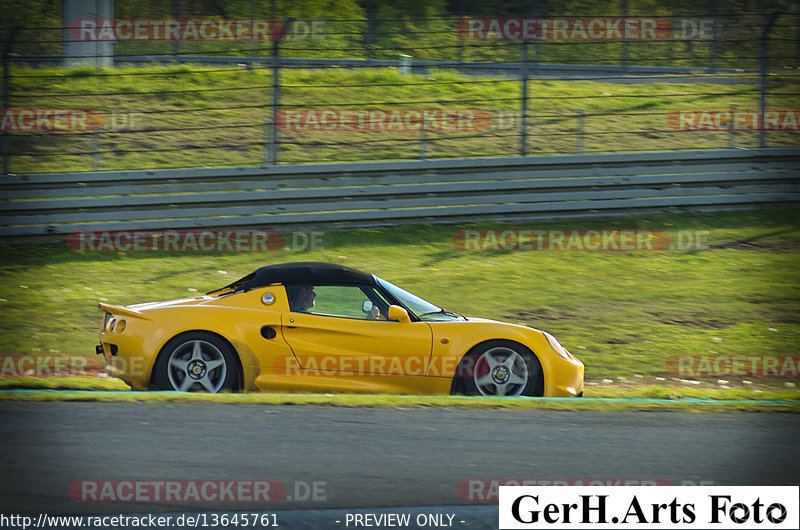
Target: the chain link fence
(155, 85)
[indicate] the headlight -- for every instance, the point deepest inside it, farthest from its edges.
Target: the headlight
(560, 350)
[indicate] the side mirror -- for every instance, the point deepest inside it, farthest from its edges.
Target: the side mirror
(398, 313)
(366, 306)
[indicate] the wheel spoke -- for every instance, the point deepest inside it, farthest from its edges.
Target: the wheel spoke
(491, 360)
(197, 350)
(179, 364)
(510, 361)
(207, 384)
(484, 380)
(186, 384)
(501, 389)
(210, 365)
(516, 379)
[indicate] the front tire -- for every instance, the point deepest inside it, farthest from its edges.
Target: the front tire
(196, 362)
(500, 368)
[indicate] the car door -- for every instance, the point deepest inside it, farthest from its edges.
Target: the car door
(337, 336)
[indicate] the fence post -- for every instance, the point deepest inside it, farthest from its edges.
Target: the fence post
(272, 144)
(536, 59)
(6, 98)
(523, 144)
(732, 128)
(176, 15)
(624, 58)
(714, 36)
(797, 34)
(369, 9)
(251, 50)
(581, 132)
(764, 50)
(460, 15)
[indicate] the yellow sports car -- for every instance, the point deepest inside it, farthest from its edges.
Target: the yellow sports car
(320, 327)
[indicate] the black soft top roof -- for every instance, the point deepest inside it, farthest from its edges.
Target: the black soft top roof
(301, 273)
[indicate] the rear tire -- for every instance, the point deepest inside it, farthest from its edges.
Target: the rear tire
(500, 368)
(196, 362)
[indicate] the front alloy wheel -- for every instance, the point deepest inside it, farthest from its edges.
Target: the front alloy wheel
(196, 362)
(502, 368)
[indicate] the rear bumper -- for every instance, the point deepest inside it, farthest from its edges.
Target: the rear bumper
(123, 361)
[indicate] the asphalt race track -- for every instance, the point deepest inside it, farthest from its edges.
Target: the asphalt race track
(333, 457)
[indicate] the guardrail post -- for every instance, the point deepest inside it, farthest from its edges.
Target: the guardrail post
(267, 135)
(96, 151)
(423, 141)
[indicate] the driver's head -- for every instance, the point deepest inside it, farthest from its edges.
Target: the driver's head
(301, 297)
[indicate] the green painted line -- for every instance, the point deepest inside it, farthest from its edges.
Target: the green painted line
(345, 398)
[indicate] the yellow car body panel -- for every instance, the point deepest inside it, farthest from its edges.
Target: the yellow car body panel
(279, 350)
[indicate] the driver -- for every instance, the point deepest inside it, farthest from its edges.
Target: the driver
(374, 314)
(301, 297)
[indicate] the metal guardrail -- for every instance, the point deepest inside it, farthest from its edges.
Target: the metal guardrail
(375, 193)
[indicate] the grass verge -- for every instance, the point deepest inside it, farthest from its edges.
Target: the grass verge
(652, 397)
(414, 402)
(626, 315)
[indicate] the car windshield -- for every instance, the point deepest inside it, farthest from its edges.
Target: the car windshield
(421, 308)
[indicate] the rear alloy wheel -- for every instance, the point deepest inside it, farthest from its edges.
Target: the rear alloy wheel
(502, 368)
(196, 362)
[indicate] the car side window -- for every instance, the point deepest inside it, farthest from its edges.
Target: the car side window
(344, 301)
